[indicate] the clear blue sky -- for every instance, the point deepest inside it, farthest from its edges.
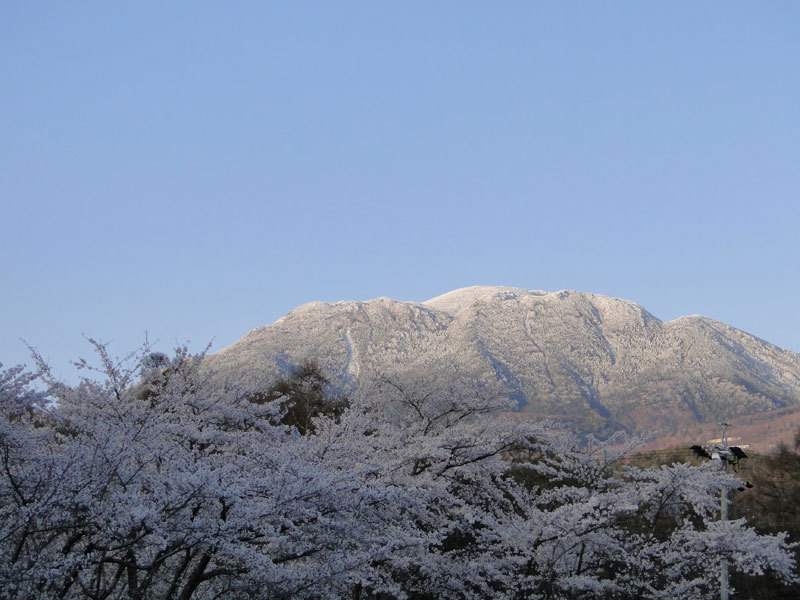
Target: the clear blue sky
(198, 169)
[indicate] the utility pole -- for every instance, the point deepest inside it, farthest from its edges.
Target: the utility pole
(721, 451)
(723, 513)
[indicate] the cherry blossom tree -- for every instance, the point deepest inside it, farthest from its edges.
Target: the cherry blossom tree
(161, 482)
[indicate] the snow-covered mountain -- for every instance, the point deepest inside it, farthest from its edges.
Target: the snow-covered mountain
(597, 361)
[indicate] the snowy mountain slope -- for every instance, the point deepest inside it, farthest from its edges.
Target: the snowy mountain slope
(598, 361)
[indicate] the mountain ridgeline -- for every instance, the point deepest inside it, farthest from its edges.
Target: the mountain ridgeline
(596, 362)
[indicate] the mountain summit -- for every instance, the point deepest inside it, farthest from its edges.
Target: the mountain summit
(599, 362)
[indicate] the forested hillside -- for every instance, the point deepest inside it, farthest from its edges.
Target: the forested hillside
(598, 364)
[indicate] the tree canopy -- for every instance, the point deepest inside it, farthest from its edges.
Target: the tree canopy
(158, 482)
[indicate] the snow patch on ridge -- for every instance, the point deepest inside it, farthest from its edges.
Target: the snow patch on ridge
(464, 298)
(352, 365)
